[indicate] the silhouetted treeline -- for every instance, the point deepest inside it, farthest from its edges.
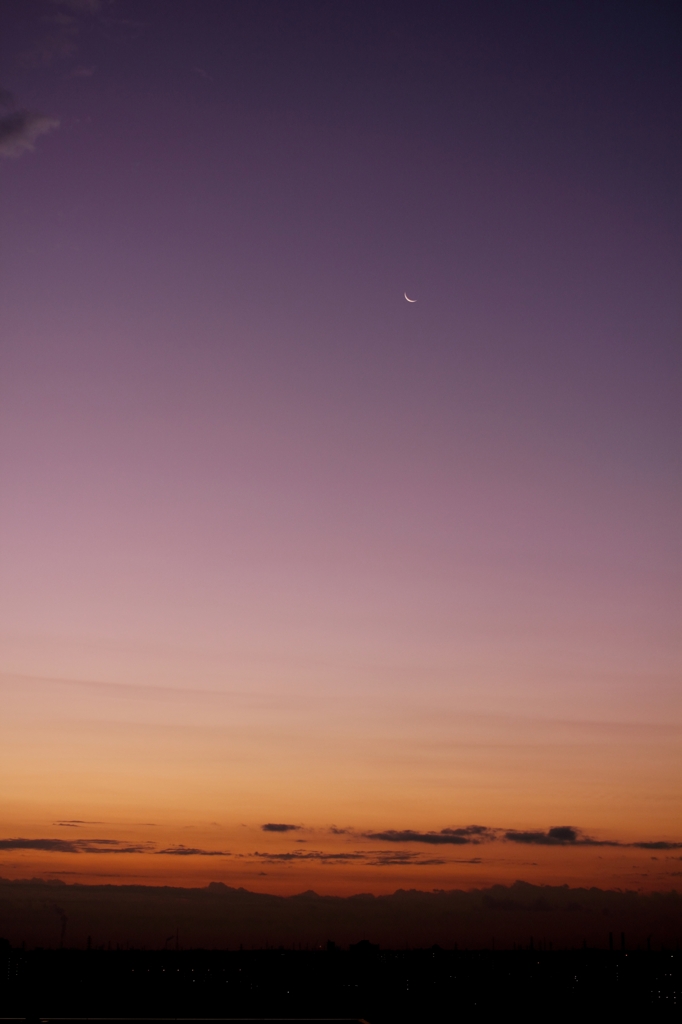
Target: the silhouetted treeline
(379, 986)
(36, 913)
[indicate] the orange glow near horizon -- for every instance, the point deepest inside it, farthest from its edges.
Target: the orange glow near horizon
(277, 546)
(163, 769)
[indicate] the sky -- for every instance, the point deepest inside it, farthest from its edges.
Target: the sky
(306, 586)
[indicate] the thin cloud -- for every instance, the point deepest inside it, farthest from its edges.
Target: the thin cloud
(300, 855)
(660, 845)
(236, 698)
(76, 823)
(557, 835)
(191, 851)
(474, 834)
(19, 130)
(81, 72)
(74, 845)
(373, 858)
(61, 36)
(57, 43)
(49, 845)
(395, 858)
(398, 858)
(89, 847)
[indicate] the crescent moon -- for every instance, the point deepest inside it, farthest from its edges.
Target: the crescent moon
(409, 300)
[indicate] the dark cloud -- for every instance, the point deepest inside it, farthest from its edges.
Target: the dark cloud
(557, 835)
(74, 845)
(447, 836)
(374, 858)
(567, 835)
(296, 855)
(19, 130)
(191, 851)
(656, 846)
(51, 845)
(562, 835)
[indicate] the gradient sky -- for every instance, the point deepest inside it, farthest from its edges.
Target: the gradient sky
(279, 547)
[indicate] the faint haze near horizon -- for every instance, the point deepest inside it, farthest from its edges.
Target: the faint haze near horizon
(281, 547)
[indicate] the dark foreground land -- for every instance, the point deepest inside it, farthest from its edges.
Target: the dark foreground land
(378, 986)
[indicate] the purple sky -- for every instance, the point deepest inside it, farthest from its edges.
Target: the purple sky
(235, 460)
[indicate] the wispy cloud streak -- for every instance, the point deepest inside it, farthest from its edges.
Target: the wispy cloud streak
(19, 130)
(447, 836)
(191, 851)
(75, 845)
